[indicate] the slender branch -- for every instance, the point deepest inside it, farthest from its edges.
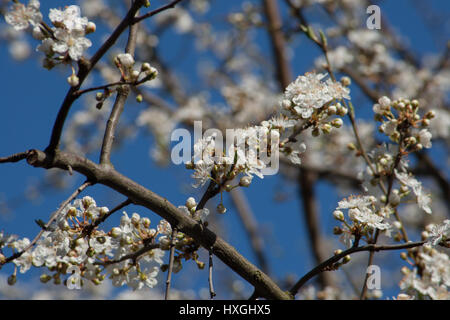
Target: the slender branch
(212, 293)
(171, 259)
(328, 263)
(117, 83)
(133, 256)
(152, 13)
(278, 42)
(119, 104)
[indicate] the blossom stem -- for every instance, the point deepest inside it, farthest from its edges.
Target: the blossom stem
(171, 260)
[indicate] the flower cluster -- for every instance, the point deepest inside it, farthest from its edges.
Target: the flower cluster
(310, 97)
(409, 182)
(437, 234)
(364, 217)
(249, 154)
(400, 121)
(21, 16)
(62, 43)
(74, 243)
(434, 279)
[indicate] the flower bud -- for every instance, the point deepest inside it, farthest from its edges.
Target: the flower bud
(221, 208)
(90, 27)
(135, 74)
(337, 123)
(286, 104)
(116, 232)
(245, 181)
(152, 72)
(338, 215)
(397, 224)
(190, 203)
(331, 110)
(405, 270)
(326, 128)
(384, 101)
(351, 146)
(12, 279)
(346, 81)
(45, 278)
(135, 218)
(346, 259)
(430, 114)
(125, 60)
(342, 111)
(145, 222)
(337, 230)
(73, 80)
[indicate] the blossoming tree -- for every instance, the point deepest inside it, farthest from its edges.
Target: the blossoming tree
(308, 126)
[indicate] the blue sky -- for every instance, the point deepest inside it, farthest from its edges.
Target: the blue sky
(31, 97)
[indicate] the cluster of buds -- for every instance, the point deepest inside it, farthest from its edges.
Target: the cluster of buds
(402, 123)
(311, 102)
(73, 246)
(125, 62)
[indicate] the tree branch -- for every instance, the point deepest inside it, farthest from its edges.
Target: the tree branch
(106, 175)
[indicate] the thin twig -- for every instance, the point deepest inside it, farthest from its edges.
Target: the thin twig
(152, 13)
(132, 256)
(212, 294)
(119, 104)
(15, 157)
(171, 260)
(88, 229)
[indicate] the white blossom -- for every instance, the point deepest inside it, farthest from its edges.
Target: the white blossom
(309, 92)
(21, 16)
